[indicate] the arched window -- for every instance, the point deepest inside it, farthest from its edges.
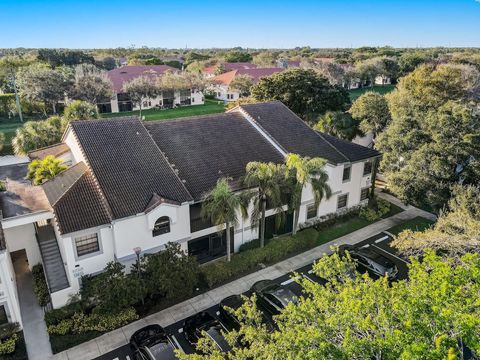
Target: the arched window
(162, 226)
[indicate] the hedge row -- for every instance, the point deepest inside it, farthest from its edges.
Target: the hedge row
(40, 287)
(248, 260)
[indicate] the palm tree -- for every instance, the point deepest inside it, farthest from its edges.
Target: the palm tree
(220, 205)
(303, 170)
(267, 177)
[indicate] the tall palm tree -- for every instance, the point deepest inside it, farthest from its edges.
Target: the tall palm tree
(267, 177)
(220, 205)
(303, 170)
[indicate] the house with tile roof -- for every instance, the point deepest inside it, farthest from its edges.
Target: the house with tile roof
(121, 102)
(133, 184)
(211, 71)
(221, 84)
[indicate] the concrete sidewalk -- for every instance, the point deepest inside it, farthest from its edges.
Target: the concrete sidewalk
(112, 340)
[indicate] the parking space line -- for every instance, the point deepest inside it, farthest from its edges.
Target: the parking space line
(128, 357)
(286, 282)
(180, 330)
(381, 239)
(177, 343)
(365, 246)
(391, 254)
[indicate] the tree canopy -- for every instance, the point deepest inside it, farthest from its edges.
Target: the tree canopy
(457, 230)
(433, 140)
(305, 92)
(371, 110)
(339, 124)
(238, 56)
(80, 110)
(45, 169)
(424, 317)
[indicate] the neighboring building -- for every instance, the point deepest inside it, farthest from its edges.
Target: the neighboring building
(221, 83)
(211, 71)
(141, 184)
(120, 101)
(283, 63)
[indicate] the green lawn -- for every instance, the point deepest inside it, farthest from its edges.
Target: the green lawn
(8, 127)
(381, 89)
(416, 224)
(210, 107)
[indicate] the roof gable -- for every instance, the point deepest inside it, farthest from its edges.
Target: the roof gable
(127, 164)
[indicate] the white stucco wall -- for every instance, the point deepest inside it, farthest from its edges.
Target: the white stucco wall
(23, 237)
(76, 154)
(8, 288)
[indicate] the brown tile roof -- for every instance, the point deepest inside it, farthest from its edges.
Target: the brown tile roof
(81, 207)
(55, 150)
(60, 184)
(205, 148)
(256, 74)
(230, 67)
(123, 74)
(295, 136)
(128, 164)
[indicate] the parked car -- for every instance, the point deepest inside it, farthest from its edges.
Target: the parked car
(195, 325)
(153, 343)
(230, 320)
(273, 297)
(374, 262)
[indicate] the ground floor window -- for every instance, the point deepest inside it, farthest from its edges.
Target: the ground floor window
(87, 244)
(104, 108)
(311, 211)
(342, 201)
(125, 106)
(3, 315)
(275, 225)
(364, 194)
(210, 247)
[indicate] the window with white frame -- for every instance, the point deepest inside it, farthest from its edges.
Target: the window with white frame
(367, 168)
(162, 226)
(311, 211)
(87, 244)
(347, 169)
(342, 201)
(3, 315)
(364, 193)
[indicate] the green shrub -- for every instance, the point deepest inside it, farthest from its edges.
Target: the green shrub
(40, 287)
(7, 346)
(55, 316)
(3, 185)
(248, 260)
(375, 210)
(81, 323)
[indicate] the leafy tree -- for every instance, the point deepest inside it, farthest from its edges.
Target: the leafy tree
(45, 169)
(369, 69)
(433, 140)
(36, 134)
(409, 61)
(164, 270)
(264, 59)
(304, 91)
(107, 63)
(302, 171)
(112, 290)
(59, 57)
(221, 205)
(371, 110)
(456, 232)
(339, 124)
(333, 72)
(243, 84)
(139, 89)
(238, 56)
(38, 83)
(268, 179)
(424, 317)
(91, 85)
(80, 110)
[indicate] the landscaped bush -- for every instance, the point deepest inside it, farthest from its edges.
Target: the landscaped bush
(7, 346)
(375, 209)
(40, 287)
(248, 260)
(81, 323)
(55, 316)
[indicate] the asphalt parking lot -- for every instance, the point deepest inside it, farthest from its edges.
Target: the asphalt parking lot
(379, 242)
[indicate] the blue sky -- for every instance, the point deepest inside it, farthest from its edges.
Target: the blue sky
(246, 23)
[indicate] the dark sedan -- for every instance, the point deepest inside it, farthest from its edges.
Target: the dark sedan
(230, 320)
(195, 326)
(273, 297)
(371, 260)
(153, 343)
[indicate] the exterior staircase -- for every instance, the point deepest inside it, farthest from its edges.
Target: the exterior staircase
(52, 259)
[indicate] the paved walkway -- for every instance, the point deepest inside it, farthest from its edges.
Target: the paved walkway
(166, 317)
(34, 328)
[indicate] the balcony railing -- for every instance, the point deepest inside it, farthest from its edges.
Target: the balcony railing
(199, 224)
